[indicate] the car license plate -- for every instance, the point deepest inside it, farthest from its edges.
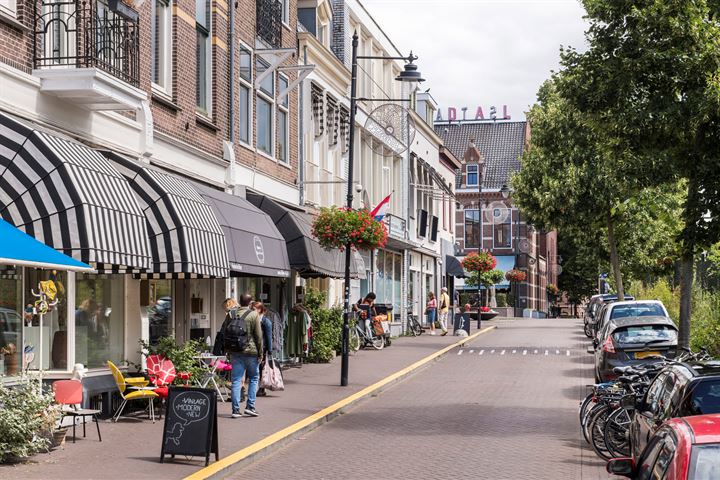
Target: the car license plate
(641, 355)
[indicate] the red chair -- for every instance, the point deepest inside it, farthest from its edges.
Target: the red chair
(162, 373)
(69, 393)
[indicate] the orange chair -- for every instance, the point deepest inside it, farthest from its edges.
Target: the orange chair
(69, 394)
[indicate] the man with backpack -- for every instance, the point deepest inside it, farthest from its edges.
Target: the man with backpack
(242, 338)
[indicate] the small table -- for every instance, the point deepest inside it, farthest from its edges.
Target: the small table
(210, 364)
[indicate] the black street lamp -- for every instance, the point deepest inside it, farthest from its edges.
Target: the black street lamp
(411, 76)
(506, 191)
(481, 171)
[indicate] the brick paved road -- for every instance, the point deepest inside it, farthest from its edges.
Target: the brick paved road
(479, 414)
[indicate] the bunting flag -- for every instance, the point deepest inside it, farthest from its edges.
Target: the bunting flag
(381, 209)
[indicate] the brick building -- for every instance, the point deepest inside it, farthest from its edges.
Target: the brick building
(485, 219)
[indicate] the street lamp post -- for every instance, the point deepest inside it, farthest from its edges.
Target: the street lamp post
(481, 169)
(506, 191)
(412, 76)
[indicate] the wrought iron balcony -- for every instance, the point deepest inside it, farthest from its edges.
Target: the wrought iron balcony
(87, 34)
(268, 22)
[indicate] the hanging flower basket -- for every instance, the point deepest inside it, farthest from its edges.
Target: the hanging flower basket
(515, 275)
(552, 289)
(479, 262)
(336, 227)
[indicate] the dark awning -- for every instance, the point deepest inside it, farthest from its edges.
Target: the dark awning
(454, 267)
(307, 257)
(254, 244)
(185, 236)
(69, 197)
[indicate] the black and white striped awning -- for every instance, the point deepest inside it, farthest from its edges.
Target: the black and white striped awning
(69, 197)
(186, 239)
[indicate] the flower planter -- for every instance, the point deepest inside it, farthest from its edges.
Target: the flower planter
(488, 315)
(335, 228)
(58, 437)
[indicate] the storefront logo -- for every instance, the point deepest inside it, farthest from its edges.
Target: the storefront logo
(259, 250)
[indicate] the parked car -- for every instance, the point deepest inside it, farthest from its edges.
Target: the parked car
(632, 341)
(679, 390)
(592, 312)
(686, 448)
(613, 310)
(10, 327)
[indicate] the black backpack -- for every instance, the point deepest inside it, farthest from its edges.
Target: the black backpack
(235, 334)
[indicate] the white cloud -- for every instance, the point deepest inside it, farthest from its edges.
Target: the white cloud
(482, 52)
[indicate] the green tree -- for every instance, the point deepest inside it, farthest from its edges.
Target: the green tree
(486, 279)
(651, 79)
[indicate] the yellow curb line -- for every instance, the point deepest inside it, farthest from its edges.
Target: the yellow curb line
(280, 435)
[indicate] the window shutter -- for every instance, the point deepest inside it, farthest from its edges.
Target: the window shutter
(317, 110)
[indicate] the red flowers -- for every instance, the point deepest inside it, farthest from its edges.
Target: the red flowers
(515, 275)
(336, 227)
(479, 262)
(484, 309)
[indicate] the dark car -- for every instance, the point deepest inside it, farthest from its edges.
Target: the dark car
(682, 449)
(593, 310)
(632, 341)
(679, 390)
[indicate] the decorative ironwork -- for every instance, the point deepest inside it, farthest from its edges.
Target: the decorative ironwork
(268, 22)
(82, 34)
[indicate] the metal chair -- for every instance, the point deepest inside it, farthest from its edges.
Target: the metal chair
(69, 394)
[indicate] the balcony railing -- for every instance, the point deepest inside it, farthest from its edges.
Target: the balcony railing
(84, 34)
(268, 22)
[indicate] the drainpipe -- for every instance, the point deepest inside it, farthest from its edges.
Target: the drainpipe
(229, 146)
(301, 139)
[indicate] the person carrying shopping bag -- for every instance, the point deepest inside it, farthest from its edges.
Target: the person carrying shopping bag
(431, 311)
(266, 326)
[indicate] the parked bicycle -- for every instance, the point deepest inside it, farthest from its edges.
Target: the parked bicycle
(413, 327)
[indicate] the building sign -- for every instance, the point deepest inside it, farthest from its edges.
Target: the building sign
(395, 226)
(455, 114)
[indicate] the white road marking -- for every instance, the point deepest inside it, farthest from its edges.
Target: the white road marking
(535, 352)
(492, 351)
(557, 352)
(524, 352)
(502, 353)
(482, 351)
(460, 352)
(568, 353)
(514, 352)
(546, 352)
(471, 351)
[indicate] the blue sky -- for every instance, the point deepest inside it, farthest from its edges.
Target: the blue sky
(482, 52)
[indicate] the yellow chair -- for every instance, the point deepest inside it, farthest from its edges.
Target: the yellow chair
(139, 387)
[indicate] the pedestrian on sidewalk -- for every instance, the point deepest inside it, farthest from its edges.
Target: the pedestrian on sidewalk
(431, 311)
(266, 325)
(242, 332)
(444, 309)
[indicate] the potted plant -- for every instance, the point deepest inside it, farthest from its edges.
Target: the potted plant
(9, 353)
(515, 275)
(334, 228)
(27, 415)
(482, 261)
(486, 313)
(552, 289)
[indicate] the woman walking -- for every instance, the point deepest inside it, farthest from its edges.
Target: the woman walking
(431, 311)
(266, 325)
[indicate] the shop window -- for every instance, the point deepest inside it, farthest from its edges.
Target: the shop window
(11, 320)
(156, 297)
(51, 354)
(99, 319)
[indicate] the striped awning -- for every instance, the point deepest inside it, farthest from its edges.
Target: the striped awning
(186, 239)
(69, 197)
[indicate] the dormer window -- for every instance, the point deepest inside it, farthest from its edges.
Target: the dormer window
(472, 175)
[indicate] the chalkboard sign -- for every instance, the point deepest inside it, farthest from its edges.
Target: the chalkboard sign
(190, 423)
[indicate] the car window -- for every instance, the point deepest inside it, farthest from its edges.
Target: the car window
(705, 462)
(649, 456)
(645, 333)
(670, 384)
(704, 398)
(654, 392)
(637, 310)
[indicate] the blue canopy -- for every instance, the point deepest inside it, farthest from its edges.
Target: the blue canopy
(19, 248)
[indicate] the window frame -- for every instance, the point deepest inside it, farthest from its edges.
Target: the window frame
(285, 16)
(496, 226)
(467, 245)
(246, 84)
(476, 173)
(282, 107)
(268, 97)
(165, 49)
(207, 31)
(8, 7)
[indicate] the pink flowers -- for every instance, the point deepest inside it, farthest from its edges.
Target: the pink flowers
(338, 226)
(479, 262)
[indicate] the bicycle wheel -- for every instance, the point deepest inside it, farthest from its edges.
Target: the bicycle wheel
(353, 340)
(617, 433)
(585, 406)
(377, 342)
(411, 330)
(585, 422)
(597, 432)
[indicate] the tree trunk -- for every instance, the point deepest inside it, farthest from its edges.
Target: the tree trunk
(686, 283)
(614, 258)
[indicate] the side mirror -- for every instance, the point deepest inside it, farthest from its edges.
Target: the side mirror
(624, 467)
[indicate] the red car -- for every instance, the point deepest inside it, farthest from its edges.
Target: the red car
(685, 448)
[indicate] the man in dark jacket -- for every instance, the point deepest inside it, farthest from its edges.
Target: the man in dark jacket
(248, 359)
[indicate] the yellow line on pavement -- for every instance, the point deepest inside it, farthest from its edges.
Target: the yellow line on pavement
(260, 445)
